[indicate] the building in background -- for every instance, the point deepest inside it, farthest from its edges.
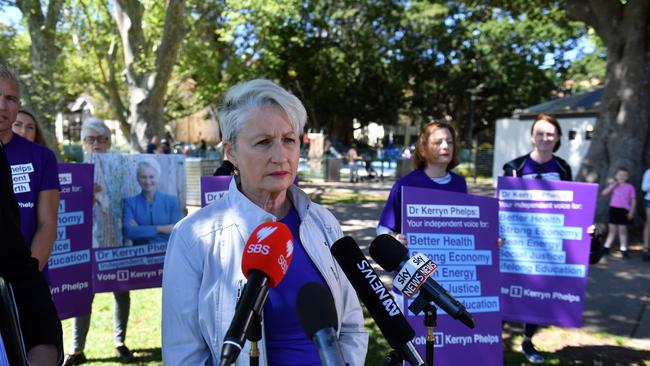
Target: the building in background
(577, 116)
(202, 125)
(68, 123)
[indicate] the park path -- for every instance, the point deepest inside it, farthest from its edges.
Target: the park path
(618, 291)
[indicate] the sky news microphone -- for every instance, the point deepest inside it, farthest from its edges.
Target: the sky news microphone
(265, 261)
(413, 276)
(317, 316)
(378, 300)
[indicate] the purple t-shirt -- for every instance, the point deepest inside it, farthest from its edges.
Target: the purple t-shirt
(33, 169)
(391, 216)
(546, 171)
(286, 341)
(622, 196)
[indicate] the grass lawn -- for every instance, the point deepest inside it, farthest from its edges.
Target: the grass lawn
(143, 332)
(559, 346)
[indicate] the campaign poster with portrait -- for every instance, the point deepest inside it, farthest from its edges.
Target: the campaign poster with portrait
(545, 256)
(458, 232)
(140, 199)
(70, 264)
(213, 188)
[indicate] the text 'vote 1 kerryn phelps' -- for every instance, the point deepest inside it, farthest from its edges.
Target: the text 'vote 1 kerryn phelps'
(458, 232)
(70, 264)
(141, 198)
(545, 257)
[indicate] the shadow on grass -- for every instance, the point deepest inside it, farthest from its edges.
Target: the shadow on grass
(602, 355)
(378, 348)
(142, 355)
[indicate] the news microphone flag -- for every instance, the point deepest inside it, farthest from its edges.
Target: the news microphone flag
(415, 274)
(266, 259)
(378, 300)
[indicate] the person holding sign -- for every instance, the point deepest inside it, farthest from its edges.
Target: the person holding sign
(202, 280)
(96, 137)
(541, 163)
(436, 153)
(149, 216)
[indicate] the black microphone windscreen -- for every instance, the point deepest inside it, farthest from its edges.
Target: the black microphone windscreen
(377, 298)
(316, 308)
(388, 252)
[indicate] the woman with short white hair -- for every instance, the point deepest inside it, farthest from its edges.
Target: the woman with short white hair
(150, 215)
(261, 125)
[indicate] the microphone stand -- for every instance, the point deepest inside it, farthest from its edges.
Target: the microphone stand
(418, 306)
(254, 335)
(394, 358)
(430, 321)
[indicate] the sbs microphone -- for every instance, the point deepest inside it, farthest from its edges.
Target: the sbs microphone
(378, 300)
(265, 261)
(413, 276)
(317, 316)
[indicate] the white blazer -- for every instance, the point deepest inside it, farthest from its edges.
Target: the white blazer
(202, 278)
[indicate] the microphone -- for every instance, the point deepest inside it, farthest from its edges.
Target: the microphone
(265, 261)
(317, 316)
(414, 275)
(378, 300)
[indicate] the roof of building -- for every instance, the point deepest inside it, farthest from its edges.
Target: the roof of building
(580, 103)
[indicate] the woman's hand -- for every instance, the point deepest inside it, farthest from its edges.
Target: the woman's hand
(96, 189)
(164, 229)
(132, 222)
(591, 230)
(400, 237)
(630, 215)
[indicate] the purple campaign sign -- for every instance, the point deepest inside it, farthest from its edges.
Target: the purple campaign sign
(545, 257)
(129, 268)
(458, 232)
(213, 188)
(70, 265)
(131, 231)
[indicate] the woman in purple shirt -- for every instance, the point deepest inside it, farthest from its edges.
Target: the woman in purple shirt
(541, 163)
(436, 153)
(545, 135)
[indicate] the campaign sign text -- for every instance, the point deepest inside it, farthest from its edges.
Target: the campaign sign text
(545, 256)
(213, 188)
(458, 233)
(70, 264)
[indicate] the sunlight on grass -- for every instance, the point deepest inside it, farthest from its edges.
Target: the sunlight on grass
(331, 199)
(378, 348)
(143, 333)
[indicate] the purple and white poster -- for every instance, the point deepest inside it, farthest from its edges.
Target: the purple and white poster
(139, 200)
(458, 232)
(213, 188)
(70, 264)
(545, 256)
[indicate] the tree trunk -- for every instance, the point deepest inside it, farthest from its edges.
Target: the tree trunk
(40, 95)
(621, 131)
(146, 80)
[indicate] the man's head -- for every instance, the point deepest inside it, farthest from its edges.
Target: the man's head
(9, 100)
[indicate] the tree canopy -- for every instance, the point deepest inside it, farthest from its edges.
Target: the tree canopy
(385, 61)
